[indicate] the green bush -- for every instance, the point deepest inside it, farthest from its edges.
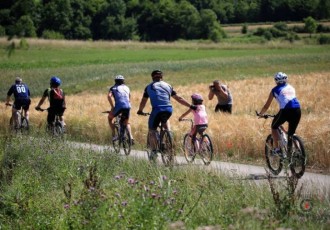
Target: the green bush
(49, 34)
(324, 39)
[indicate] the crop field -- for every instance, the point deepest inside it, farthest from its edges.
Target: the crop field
(45, 184)
(87, 70)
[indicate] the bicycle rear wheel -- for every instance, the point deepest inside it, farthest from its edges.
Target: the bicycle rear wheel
(166, 148)
(25, 125)
(274, 162)
(57, 129)
(298, 157)
(206, 149)
(126, 141)
(115, 142)
(188, 148)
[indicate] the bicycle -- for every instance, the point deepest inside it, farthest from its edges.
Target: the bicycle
(123, 136)
(56, 128)
(296, 157)
(23, 123)
(164, 145)
(202, 145)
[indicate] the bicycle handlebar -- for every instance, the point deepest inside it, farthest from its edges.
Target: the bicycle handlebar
(186, 119)
(144, 114)
(40, 109)
(106, 111)
(265, 116)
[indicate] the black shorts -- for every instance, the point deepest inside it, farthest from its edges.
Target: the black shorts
(223, 108)
(161, 117)
(19, 103)
(292, 116)
(52, 112)
(125, 113)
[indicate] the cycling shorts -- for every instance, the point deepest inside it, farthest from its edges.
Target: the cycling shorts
(124, 112)
(292, 116)
(19, 103)
(159, 115)
(52, 112)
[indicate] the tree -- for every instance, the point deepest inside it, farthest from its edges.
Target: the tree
(310, 25)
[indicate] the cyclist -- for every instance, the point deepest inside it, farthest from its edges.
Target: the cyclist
(223, 94)
(121, 93)
(290, 111)
(200, 116)
(160, 94)
(57, 104)
(22, 99)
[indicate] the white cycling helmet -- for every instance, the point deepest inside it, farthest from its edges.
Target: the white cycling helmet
(280, 78)
(119, 77)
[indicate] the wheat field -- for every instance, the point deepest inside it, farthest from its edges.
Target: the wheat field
(238, 137)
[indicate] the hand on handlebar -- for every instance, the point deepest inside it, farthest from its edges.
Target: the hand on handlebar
(139, 112)
(8, 104)
(193, 107)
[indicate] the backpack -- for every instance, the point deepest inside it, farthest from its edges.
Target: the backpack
(56, 94)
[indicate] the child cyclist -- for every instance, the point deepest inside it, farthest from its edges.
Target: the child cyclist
(200, 116)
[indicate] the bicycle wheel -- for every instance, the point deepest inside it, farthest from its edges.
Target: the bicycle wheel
(206, 149)
(188, 148)
(126, 141)
(166, 148)
(25, 125)
(298, 157)
(274, 162)
(57, 129)
(12, 124)
(115, 142)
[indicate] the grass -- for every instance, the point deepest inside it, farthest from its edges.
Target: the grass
(89, 190)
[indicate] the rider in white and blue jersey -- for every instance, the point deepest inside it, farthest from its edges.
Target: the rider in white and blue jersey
(160, 94)
(290, 111)
(121, 94)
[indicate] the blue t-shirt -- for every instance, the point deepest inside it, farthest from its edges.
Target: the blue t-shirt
(160, 93)
(285, 95)
(20, 91)
(121, 95)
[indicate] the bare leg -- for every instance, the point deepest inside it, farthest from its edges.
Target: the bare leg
(275, 138)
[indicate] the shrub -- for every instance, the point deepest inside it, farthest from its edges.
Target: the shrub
(323, 39)
(244, 29)
(50, 34)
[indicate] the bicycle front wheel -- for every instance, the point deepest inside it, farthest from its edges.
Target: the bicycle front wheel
(298, 157)
(57, 129)
(115, 142)
(188, 148)
(206, 149)
(166, 148)
(126, 141)
(273, 161)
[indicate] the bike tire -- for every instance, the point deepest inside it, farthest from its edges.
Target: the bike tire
(57, 129)
(25, 125)
(206, 149)
(298, 157)
(166, 148)
(188, 149)
(12, 124)
(116, 143)
(274, 162)
(126, 141)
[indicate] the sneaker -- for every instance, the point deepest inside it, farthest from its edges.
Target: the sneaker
(152, 155)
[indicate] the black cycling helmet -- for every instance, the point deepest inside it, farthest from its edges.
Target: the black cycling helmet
(157, 73)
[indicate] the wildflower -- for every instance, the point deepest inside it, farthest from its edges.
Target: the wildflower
(66, 206)
(117, 194)
(131, 181)
(164, 177)
(117, 177)
(153, 195)
(124, 203)
(152, 182)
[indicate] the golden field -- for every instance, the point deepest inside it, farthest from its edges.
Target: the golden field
(238, 137)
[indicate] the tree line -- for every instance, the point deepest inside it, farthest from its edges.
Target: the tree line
(146, 20)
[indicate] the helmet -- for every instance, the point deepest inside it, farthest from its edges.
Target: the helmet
(197, 97)
(280, 78)
(156, 72)
(18, 80)
(119, 77)
(55, 81)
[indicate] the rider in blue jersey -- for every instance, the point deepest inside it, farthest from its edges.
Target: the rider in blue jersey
(160, 94)
(121, 93)
(290, 111)
(22, 98)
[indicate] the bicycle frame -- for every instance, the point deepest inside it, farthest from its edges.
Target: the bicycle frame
(21, 123)
(56, 128)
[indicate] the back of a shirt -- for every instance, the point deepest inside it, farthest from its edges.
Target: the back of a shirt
(160, 93)
(200, 116)
(121, 95)
(285, 95)
(20, 91)
(56, 97)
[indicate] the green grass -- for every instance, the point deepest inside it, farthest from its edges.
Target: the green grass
(101, 190)
(92, 68)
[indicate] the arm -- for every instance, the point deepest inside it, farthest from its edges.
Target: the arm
(7, 100)
(211, 94)
(142, 104)
(110, 100)
(181, 100)
(268, 102)
(223, 92)
(185, 114)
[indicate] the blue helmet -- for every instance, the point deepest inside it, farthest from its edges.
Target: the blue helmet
(55, 81)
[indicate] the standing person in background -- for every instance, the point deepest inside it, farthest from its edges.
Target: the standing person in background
(56, 99)
(22, 99)
(223, 94)
(289, 111)
(121, 94)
